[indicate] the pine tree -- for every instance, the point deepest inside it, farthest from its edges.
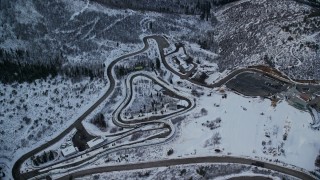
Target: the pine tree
(51, 155)
(158, 63)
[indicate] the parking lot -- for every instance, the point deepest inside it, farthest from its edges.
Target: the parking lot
(256, 84)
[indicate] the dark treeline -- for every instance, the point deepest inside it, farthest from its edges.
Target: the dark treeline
(222, 2)
(75, 71)
(317, 162)
(20, 66)
(122, 70)
(205, 10)
(192, 7)
(99, 121)
(313, 3)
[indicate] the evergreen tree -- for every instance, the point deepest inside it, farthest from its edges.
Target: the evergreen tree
(51, 155)
(158, 63)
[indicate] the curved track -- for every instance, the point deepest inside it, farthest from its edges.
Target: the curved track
(16, 167)
(117, 114)
(162, 43)
(192, 160)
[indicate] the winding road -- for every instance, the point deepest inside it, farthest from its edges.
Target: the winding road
(117, 114)
(191, 160)
(162, 43)
(16, 167)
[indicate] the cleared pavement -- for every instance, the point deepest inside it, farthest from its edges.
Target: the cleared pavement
(192, 160)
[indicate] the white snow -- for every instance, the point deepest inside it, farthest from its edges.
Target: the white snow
(26, 13)
(68, 151)
(245, 174)
(52, 105)
(81, 11)
(243, 129)
(95, 141)
(182, 103)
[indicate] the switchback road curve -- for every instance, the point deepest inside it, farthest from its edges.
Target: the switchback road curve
(16, 167)
(162, 43)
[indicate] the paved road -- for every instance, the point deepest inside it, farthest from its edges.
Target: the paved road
(82, 162)
(194, 65)
(16, 167)
(162, 43)
(151, 118)
(250, 178)
(192, 160)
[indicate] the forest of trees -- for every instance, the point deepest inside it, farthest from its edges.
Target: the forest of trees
(43, 158)
(317, 162)
(315, 3)
(122, 70)
(20, 66)
(191, 7)
(99, 121)
(201, 78)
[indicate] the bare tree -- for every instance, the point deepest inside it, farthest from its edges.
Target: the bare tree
(216, 138)
(204, 112)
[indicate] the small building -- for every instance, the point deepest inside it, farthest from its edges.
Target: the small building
(292, 92)
(305, 97)
(315, 103)
(68, 151)
(297, 99)
(182, 104)
(94, 142)
(297, 103)
(157, 88)
(171, 106)
(175, 60)
(183, 57)
(186, 67)
(137, 68)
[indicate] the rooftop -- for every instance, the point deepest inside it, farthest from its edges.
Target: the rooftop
(69, 151)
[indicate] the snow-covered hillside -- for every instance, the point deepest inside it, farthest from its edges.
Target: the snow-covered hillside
(81, 30)
(237, 126)
(251, 127)
(32, 114)
(283, 34)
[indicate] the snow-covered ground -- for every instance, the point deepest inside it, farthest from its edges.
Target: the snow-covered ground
(35, 113)
(282, 33)
(244, 128)
(148, 96)
(106, 107)
(28, 165)
(249, 127)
